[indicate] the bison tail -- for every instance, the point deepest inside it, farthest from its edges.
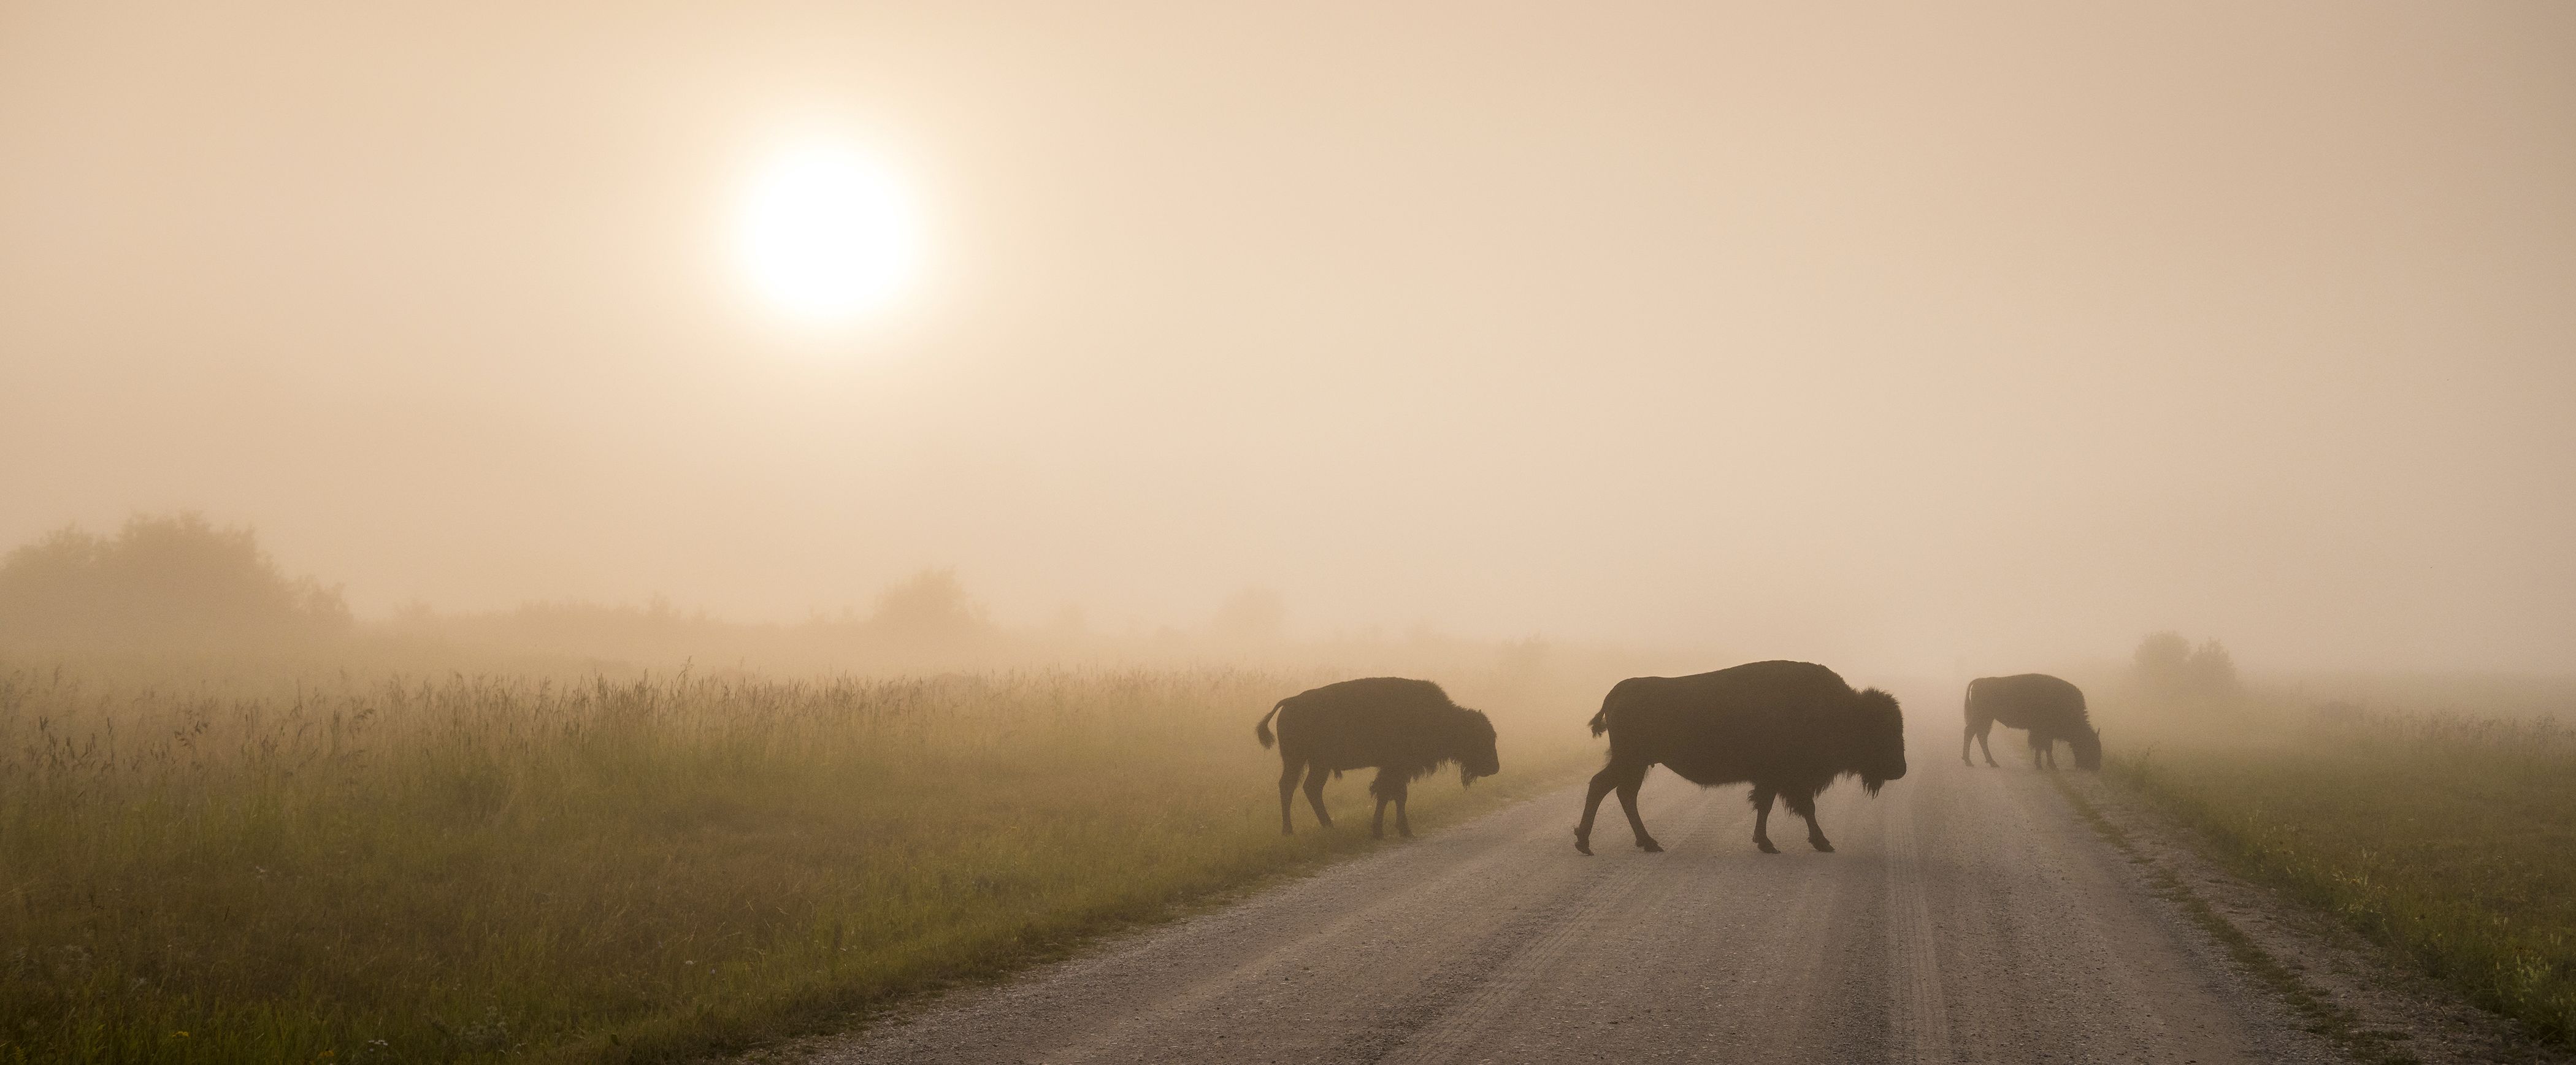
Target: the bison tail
(1601, 721)
(1262, 731)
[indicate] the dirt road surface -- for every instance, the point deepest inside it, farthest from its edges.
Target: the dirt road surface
(1969, 915)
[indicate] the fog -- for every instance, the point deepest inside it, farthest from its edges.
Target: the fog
(1971, 340)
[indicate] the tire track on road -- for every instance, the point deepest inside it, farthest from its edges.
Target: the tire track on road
(1920, 1018)
(1454, 1032)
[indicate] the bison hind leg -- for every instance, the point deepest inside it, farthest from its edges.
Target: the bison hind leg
(1289, 771)
(1315, 778)
(1978, 732)
(1602, 782)
(1624, 779)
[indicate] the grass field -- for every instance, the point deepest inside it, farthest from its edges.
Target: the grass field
(467, 869)
(2449, 839)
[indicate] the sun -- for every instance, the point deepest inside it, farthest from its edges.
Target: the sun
(826, 234)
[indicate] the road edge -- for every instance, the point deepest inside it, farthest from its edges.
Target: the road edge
(2341, 988)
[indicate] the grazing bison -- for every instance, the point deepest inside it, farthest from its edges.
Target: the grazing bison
(1405, 728)
(2050, 708)
(1788, 728)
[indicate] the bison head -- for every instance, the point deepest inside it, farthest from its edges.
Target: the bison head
(2088, 748)
(1473, 746)
(1879, 754)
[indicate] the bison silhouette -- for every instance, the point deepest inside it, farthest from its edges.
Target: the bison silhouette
(2050, 708)
(1405, 728)
(1788, 728)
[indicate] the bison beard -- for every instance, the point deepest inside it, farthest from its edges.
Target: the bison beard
(1405, 728)
(1788, 728)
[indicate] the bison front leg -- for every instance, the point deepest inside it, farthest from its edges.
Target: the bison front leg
(1762, 797)
(1628, 786)
(1803, 804)
(2043, 752)
(1384, 792)
(1403, 826)
(1315, 778)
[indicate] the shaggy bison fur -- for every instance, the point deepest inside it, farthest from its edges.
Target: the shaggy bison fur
(1404, 728)
(2050, 708)
(1788, 728)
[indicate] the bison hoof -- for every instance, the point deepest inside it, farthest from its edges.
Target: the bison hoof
(1821, 845)
(1650, 846)
(1582, 846)
(1766, 846)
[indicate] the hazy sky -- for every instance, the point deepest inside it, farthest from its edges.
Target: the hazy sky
(1980, 338)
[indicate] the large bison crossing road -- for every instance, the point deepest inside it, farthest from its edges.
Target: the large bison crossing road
(1970, 915)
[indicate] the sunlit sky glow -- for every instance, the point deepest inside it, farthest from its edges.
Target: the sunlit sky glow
(1956, 337)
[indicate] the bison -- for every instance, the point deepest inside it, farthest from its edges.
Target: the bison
(1405, 728)
(1788, 728)
(2050, 708)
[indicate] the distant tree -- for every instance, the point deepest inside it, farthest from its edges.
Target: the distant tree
(2167, 666)
(930, 607)
(2212, 670)
(166, 580)
(1253, 615)
(2162, 664)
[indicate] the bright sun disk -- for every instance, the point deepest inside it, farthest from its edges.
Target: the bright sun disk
(827, 235)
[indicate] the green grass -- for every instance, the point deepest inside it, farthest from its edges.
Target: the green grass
(2317, 1012)
(2449, 840)
(476, 869)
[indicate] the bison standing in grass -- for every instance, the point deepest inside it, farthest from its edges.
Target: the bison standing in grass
(2050, 708)
(1788, 728)
(1405, 728)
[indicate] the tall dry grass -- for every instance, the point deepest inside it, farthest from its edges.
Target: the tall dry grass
(473, 868)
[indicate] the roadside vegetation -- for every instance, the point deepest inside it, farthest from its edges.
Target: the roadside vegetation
(237, 825)
(472, 868)
(2437, 818)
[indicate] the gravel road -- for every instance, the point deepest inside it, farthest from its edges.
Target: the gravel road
(1968, 916)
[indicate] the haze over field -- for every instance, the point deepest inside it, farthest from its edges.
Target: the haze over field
(1978, 339)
